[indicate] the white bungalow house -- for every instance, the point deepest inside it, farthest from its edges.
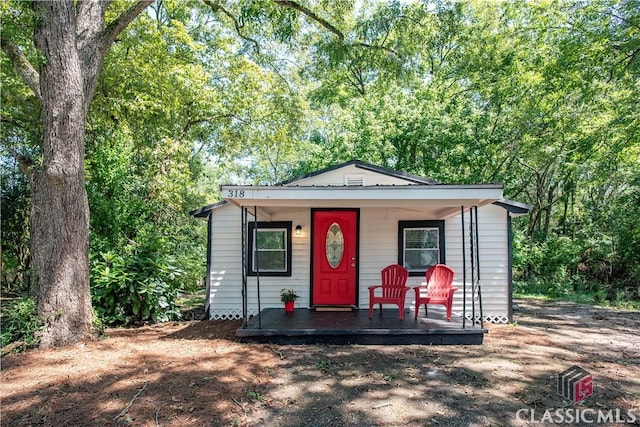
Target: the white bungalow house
(328, 234)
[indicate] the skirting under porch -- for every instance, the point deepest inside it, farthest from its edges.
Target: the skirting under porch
(307, 326)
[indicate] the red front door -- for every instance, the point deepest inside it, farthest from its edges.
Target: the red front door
(335, 257)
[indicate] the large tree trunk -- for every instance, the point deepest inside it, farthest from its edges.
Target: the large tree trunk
(73, 41)
(60, 210)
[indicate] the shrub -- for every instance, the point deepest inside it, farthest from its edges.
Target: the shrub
(141, 284)
(20, 323)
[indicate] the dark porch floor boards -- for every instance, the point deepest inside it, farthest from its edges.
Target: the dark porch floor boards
(306, 326)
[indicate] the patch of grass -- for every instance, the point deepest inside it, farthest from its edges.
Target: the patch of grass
(323, 365)
(588, 298)
(255, 395)
(190, 301)
(191, 305)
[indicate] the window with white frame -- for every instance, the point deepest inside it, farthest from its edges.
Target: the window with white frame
(420, 245)
(269, 247)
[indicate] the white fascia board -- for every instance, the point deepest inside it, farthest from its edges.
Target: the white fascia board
(407, 195)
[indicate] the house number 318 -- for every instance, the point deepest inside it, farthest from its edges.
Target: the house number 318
(236, 193)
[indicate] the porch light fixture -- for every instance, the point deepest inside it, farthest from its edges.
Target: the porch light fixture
(298, 230)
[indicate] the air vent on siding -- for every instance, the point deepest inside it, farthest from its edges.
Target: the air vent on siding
(354, 180)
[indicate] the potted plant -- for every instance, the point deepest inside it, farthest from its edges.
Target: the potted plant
(288, 297)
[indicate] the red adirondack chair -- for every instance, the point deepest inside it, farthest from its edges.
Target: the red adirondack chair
(439, 289)
(394, 291)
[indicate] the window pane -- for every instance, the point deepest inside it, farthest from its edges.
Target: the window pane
(420, 259)
(413, 238)
(432, 239)
(421, 244)
(421, 238)
(334, 245)
(271, 239)
(269, 248)
(272, 261)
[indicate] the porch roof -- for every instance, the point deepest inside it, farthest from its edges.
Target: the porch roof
(409, 178)
(440, 197)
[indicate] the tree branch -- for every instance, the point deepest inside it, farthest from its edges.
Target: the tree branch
(312, 15)
(25, 163)
(116, 27)
(623, 19)
(630, 57)
(378, 47)
(238, 26)
(22, 66)
(94, 39)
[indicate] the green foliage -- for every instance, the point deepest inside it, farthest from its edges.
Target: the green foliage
(554, 259)
(20, 132)
(542, 97)
(288, 295)
(587, 267)
(20, 322)
(625, 245)
(15, 230)
(145, 156)
(507, 92)
(142, 283)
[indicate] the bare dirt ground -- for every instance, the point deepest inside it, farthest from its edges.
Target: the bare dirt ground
(199, 374)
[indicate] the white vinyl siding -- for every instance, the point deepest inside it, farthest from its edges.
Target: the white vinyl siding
(379, 243)
(342, 176)
(494, 261)
(226, 265)
(378, 248)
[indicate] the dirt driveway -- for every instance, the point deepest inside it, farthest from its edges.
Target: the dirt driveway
(199, 374)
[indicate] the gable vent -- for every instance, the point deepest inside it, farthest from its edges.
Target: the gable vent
(354, 180)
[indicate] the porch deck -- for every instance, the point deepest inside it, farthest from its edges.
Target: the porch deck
(307, 326)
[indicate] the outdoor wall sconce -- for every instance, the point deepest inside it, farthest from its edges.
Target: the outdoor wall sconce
(298, 230)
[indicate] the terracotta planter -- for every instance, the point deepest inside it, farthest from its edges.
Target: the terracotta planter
(288, 306)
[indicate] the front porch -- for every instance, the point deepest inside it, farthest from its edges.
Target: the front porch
(307, 326)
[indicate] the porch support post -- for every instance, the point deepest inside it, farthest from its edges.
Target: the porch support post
(207, 279)
(510, 269)
(473, 266)
(464, 272)
(475, 208)
(257, 265)
(243, 220)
